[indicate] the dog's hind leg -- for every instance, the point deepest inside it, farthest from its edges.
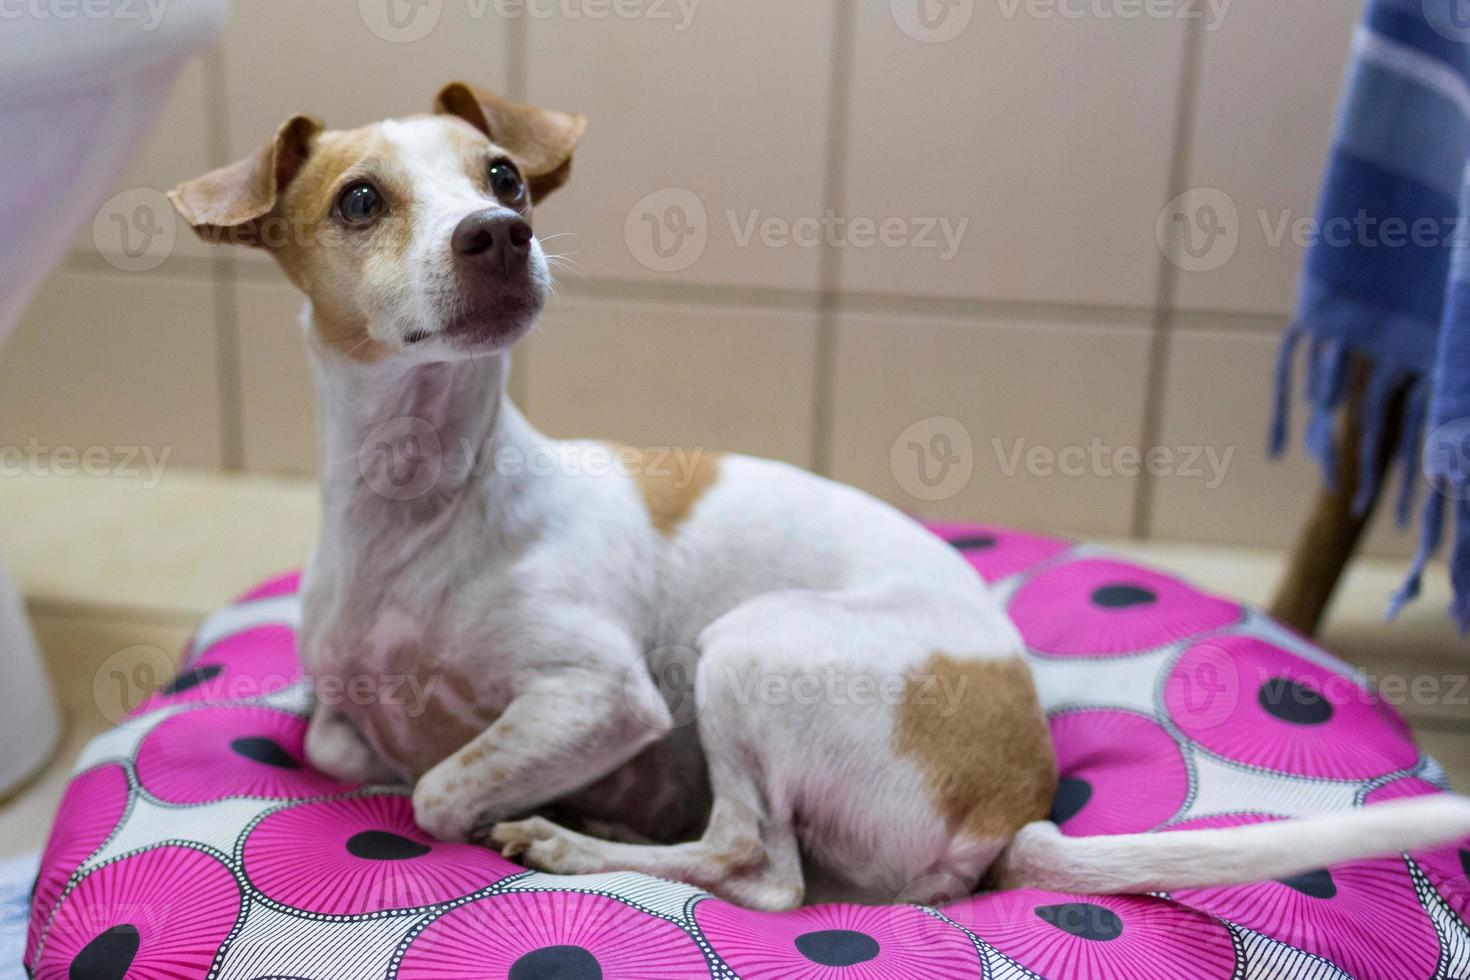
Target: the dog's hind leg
(748, 853)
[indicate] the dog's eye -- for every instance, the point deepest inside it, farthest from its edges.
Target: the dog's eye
(505, 181)
(359, 203)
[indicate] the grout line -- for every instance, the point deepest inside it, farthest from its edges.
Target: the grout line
(226, 299)
(1168, 283)
(824, 368)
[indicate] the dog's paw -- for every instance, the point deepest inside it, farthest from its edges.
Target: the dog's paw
(535, 842)
(442, 812)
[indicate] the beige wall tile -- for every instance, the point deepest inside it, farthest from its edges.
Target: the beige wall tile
(176, 149)
(731, 107)
(1268, 92)
(324, 58)
(1218, 397)
(1051, 135)
(115, 360)
(671, 374)
(1015, 391)
(277, 394)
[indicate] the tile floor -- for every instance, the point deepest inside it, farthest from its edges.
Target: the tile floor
(115, 570)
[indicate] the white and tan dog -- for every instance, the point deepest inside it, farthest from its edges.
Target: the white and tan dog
(548, 602)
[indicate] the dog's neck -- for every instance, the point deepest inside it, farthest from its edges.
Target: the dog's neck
(410, 450)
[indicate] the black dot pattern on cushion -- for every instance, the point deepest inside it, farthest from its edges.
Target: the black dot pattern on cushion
(192, 678)
(1083, 920)
(266, 751)
(380, 845)
(977, 542)
(556, 963)
(108, 956)
(1072, 796)
(837, 947)
(1313, 884)
(1122, 596)
(1294, 703)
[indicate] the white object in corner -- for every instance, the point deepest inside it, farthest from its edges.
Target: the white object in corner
(79, 86)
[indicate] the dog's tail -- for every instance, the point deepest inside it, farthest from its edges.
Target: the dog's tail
(1040, 856)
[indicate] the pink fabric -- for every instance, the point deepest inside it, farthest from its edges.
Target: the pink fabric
(348, 857)
(1126, 771)
(213, 753)
(285, 584)
(998, 552)
(1098, 606)
(1245, 699)
(1089, 937)
(170, 908)
(551, 934)
(90, 810)
(250, 664)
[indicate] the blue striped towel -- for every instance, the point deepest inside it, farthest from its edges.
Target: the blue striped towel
(1387, 273)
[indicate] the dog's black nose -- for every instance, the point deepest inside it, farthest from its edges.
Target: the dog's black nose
(495, 238)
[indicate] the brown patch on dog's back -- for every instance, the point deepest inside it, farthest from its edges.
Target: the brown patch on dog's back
(669, 486)
(987, 757)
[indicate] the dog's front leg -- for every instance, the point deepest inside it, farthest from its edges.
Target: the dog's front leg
(565, 731)
(334, 746)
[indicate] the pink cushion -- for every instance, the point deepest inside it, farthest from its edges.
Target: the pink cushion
(195, 842)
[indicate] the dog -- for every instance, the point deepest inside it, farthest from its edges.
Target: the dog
(552, 604)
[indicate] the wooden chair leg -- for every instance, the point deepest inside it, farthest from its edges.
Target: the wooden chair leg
(1327, 541)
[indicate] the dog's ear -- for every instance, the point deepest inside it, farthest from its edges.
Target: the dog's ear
(226, 205)
(540, 140)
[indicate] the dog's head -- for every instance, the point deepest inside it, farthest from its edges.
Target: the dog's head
(409, 236)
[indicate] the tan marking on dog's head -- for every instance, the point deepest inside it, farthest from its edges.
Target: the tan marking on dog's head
(363, 221)
(984, 747)
(671, 483)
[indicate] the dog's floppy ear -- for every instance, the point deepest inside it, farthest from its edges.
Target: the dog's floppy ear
(540, 140)
(226, 205)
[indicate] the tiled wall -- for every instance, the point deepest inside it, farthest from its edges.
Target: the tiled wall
(821, 152)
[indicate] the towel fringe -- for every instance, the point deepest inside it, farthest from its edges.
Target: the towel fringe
(1325, 391)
